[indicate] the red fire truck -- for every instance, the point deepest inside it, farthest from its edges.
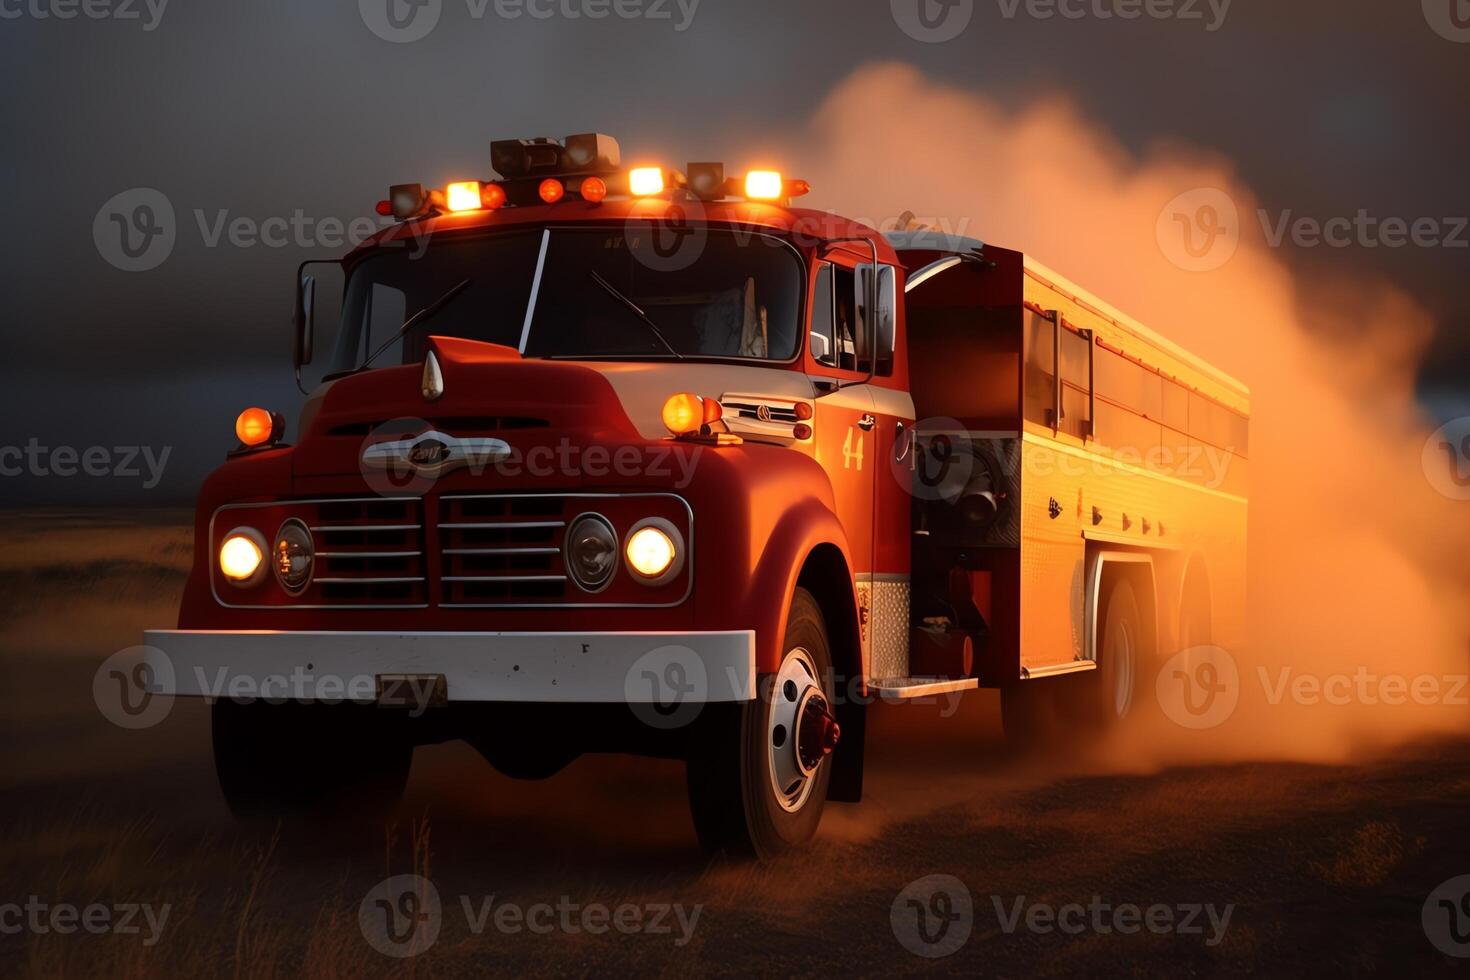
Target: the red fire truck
(643, 460)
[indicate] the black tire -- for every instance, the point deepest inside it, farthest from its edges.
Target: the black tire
(1116, 691)
(1049, 711)
(297, 761)
(736, 805)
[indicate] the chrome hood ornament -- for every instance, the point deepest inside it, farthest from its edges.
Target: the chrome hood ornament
(433, 453)
(432, 384)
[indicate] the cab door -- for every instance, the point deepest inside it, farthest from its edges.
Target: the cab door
(854, 435)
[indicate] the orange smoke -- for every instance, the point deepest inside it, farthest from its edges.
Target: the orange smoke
(1357, 564)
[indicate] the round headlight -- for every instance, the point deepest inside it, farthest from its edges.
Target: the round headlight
(292, 557)
(654, 550)
(242, 556)
(591, 552)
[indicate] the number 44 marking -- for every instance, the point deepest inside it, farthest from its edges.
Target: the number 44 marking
(852, 454)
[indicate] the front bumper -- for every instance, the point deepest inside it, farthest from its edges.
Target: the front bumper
(635, 668)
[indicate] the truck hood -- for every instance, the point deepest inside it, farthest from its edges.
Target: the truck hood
(488, 391)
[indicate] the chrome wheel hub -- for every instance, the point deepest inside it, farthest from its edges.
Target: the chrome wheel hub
(800, 729)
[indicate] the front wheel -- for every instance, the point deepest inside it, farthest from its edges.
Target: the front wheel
(758, 771)
(303, 761)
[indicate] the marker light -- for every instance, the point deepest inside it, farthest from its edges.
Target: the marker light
(650, 551)
(644, 181)
(385, 208)
(242, 556)
(686, 412)
(463, 195)
(492, 196)
(764, 185)
(593, 190)
(254, 427)
(551, 190)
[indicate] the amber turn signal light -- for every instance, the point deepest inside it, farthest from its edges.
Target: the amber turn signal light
(686, 413)
(255, 427)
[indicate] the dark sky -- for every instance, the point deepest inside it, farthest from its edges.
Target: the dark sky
(261, 109)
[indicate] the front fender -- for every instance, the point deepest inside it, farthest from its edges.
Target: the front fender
(761, 510)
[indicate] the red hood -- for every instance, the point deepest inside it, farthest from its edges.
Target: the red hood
(488, 390)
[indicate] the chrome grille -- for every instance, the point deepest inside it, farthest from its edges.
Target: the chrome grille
(502, 550)
(778, 411)
(369, 552)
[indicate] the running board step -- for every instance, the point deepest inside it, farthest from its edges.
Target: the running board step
(904, 688)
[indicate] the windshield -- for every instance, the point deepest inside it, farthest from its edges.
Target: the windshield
(596, 292)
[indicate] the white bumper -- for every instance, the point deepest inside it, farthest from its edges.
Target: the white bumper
(551, 667)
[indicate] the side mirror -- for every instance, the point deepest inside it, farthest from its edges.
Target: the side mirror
(821, 346)
(305, 319)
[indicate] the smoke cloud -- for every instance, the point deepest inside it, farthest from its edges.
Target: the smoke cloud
(1358, 577)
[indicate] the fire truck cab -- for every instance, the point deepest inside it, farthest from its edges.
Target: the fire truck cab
(651, 461)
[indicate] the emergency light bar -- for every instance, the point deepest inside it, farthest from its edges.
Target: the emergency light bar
(585, 166)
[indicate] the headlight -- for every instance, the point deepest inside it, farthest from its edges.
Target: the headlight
(591, 552)
(242, 556)
(654, 550)
(292, 556)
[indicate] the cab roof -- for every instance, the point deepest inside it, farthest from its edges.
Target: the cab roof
(804, 227)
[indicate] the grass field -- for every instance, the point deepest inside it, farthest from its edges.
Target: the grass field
(1324, 869)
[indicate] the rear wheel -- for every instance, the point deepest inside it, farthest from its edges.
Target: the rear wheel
(297, 760)
(758, 771)
(1048, 711)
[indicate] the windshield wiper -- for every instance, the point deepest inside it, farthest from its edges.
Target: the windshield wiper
(636, 310)
(418, 318)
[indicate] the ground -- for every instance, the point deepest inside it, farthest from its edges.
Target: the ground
(1321, 869)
